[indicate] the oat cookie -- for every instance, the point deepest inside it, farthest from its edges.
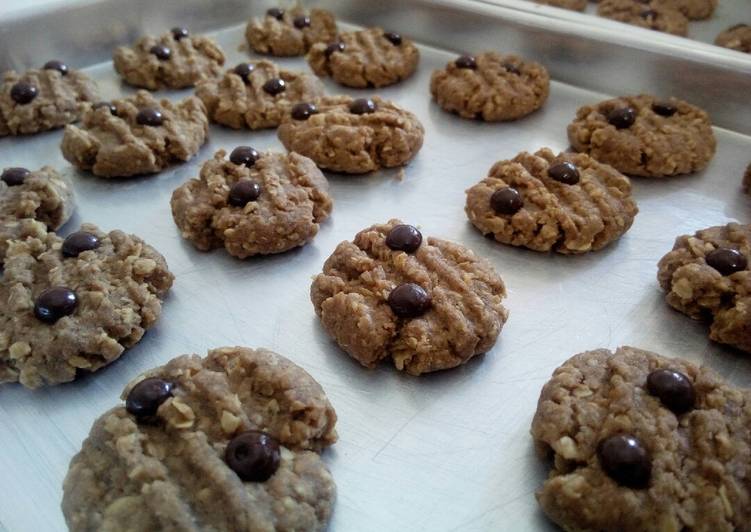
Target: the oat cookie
(425, 304)
(173, 60)
(575, 5)
(568, 202)
(76, 303)
(136, 135)
(653, 15)
(353, 136)
(256, 95)
(43, 99)
(640, 442)
(706, 276)
(365, 58)
(252, 204)
(644, 136)
(736, 37)
(229, 442)
(290, 32)
(491, 86)
(693, 9)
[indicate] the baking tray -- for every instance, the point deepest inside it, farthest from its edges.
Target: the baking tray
(449, 451)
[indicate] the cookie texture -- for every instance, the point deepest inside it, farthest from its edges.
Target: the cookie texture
(293, 201)
(694, 285)
(653, 145)
(352, 298)
(59, 100)
(119, 145)
(343, 141)
(660, 16)
(574, 5)
(736, 37)
(118, 286)
(167, 62)
(169, 472)
(290, 32)
(491, 86)
(244, 103)
(365, 58)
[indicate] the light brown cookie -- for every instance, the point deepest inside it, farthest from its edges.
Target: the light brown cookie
(136, 135)
(256, 95)
(425, 304)
(290, 32)
(640, 442)
(569, 203)
(252, 204)
(491, 86)
(44, 99)
(693, 9)
(644, 136)
(365, 58)
(76, 303)
(575, 5)
(173, 60)
(651, 15)
(706, 276)
(353, 136)
(225, 443)
(736, 37)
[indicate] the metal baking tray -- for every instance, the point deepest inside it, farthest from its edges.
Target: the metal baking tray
(448, 451)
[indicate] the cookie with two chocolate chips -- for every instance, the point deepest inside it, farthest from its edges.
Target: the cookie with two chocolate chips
(290, 32)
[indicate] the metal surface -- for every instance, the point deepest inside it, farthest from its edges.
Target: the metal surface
(449, 451)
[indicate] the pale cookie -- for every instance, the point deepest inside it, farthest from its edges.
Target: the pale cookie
(173, 60)
(491, 86)
(252, 204)
(650, 15)
(76, 303)
(365, 58)
(644, 136)
(575, 5)
(569, 203)
(290, 32)
(706, 277)
(256, 95)
(736, 37)
(136, 135)
(353, 136)
(423, 304)
(226, 443)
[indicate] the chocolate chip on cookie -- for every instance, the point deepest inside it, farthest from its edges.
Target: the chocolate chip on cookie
(179, 33)
(291, 32)
(55, 64)
(565, 172)
(244, 155)
(405, 238)
(254, 455)
(150, 117)
(625, 460)
(78, 242)
(243, 192)
(274, 86)
(506, 200)
(657, 15)
(55, 303)
(14, 176)
(736, 37)
(145, 398)
(303, 111)
(673, 388)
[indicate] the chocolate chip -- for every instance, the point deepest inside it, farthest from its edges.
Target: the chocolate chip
(727, 261)
(54, 64)
(275, 12)
(145, 397)
(301, 22)
(466, 61)
(109, 105)
(404, 237)
(244, 70)
(243, 192)
(302, 111)
(362, 106)
(664, 108)
(673, 388)
(253, 455)
(179, 33)
(244, 155)
(79, 242)
(23, 92)
(648, 13)
(275, 86)
(14, 176)
(625, 460)
(622, 117)
(513, 69)
(565, 173)
(54, 303)
(161, 52)
(393, 37)
(333, 48)
(409, 300)
(506, 200)
(150, 117)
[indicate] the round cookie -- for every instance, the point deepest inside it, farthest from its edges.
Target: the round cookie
(256, 95)
(693, 9)
(491, 86)
(365, 58)
(640, 442)
(252, 204)
(76, 303)
(736, 37)
(136, 135)
(650, 15)
(425, 304)
(569, 203)
(226, 443)
(353, 136)
(290, 32)
(575, 5)
(707, 277)
(173, 60)
(644, 136)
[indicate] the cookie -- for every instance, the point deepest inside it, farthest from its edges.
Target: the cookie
(491, 86)
(747, 179)
(423, 303)
(136, 135)
(173, 60)
(706, 276)
(252, 204)
(43, 99)
(650, 15)
(229, 442)
(693, 9)
(256, 95)
(736, 37)
(569, 203)
(76, 303)
(352, 136)
(365, 58)
(645, 136)
(290, 32)
(575, 5)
